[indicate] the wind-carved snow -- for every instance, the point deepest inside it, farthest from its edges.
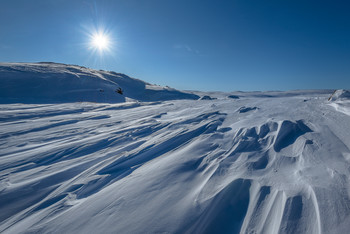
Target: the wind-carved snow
(178, 166)
(340, 100)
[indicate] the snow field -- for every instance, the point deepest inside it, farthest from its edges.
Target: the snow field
(259, 162)
(198, 166)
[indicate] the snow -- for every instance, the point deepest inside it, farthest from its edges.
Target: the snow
(268, 162)
(340, 100)
(60, 83)
(340, 95)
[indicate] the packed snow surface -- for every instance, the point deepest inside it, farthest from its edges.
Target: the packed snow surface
(264, 162)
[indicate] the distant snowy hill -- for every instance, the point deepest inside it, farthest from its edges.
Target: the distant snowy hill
(57, 83)
(257, 162)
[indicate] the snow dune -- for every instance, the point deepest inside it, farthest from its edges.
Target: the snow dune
(273, 162)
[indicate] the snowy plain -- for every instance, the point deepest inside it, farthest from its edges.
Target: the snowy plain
(75, 159)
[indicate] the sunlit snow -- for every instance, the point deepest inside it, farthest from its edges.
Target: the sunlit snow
(78, 157)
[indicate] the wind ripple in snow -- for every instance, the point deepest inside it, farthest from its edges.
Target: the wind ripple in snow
(176, 167)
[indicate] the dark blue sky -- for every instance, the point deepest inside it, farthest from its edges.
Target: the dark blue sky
(199, 45)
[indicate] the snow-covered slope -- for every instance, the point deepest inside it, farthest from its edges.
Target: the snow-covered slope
(268, 163)
(58, 83)
(340, 95)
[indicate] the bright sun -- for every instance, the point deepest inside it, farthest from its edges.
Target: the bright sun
(100, 41)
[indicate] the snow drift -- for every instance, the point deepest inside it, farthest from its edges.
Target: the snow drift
(58, 83)
(264, 163)
(340, 94)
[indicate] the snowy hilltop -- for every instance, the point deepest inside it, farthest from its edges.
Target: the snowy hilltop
(158, 160)
(57, 83)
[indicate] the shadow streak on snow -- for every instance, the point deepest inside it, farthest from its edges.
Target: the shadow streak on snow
(226, 211)
(125, 165)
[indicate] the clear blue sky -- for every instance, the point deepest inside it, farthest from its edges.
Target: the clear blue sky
(190, 44)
